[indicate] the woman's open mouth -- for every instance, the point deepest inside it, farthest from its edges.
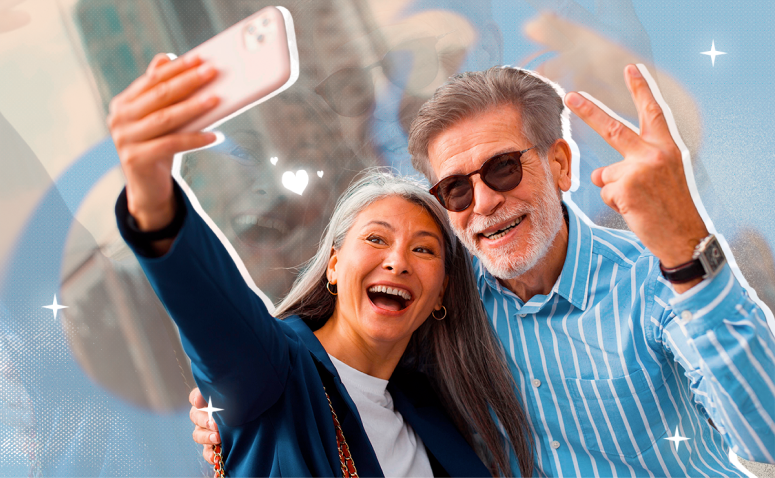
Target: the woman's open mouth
(389, 298)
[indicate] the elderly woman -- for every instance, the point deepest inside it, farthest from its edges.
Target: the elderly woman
(383, 362)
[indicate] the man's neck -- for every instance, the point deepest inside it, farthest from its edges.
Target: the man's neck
(540, 279)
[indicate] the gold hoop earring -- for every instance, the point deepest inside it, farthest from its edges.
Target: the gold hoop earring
(433, 314)
(329, 289)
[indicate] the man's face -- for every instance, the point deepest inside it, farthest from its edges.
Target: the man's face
(511, 231)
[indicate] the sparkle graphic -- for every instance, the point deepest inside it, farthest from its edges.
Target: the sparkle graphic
(210, 409)
(713, 53)
(55, 307)
(677, 439)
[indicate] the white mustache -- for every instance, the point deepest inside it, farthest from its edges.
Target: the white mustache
(478, 223)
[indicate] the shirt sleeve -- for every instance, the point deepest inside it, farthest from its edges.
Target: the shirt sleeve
(721, 338)
(239, 352)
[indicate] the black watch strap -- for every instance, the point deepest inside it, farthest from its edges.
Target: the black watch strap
(683, 273)
(142, 240)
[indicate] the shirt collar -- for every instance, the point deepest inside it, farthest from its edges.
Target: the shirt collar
(574, 279)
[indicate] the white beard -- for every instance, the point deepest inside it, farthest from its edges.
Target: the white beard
(506, 262)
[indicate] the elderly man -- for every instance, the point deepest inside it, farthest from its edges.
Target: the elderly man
(634, 353)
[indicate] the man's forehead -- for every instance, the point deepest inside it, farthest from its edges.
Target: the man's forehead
(466, 144)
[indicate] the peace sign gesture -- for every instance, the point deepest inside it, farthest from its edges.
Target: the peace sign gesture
(648, 187)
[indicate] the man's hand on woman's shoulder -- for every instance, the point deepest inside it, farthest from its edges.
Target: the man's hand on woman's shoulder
(205, 430)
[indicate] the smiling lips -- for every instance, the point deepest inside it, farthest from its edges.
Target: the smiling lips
(502, 232)
(389, 298)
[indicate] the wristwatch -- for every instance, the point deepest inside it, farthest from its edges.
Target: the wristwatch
(707, 260)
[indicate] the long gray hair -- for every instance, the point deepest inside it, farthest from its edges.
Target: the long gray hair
(461, 354)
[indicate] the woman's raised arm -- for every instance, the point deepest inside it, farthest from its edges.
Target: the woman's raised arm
(239, 352)
(142, 122)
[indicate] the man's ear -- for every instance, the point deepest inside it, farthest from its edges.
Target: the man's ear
(560, 163)
(331, 269)
(441, 295)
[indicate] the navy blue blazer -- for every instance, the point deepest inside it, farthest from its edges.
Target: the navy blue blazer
(269, 375)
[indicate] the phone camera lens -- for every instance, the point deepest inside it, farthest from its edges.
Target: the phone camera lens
(265, 22)
(251, 29)
(260, 38)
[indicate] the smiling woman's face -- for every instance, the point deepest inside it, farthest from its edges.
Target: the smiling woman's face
(389, 271)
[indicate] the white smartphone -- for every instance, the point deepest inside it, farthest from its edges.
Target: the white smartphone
(256, 59)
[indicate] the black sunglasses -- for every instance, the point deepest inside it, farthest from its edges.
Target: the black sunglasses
(500, 173)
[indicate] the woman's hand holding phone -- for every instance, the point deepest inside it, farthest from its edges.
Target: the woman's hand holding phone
(143, 121)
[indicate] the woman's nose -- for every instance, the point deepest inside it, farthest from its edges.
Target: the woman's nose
(397, 262)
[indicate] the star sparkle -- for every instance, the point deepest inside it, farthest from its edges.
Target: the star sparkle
(210, 409)
(713, 53)
(55, 307)
(677, 439)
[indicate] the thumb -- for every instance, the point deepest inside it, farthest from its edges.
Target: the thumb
(597, 177)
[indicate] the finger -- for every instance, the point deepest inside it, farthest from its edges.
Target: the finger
(199, 418)
(168, 92)
(153, 76)
(196, 399)
(165, 120)
(206, 437)
(163, 73)
(139, 156)
(609, 174)
(653, 123)
(209, 454)
(544, 30)
(557, 33)
(597, 177)
(158, 60)
(608, 195)
(614, 132)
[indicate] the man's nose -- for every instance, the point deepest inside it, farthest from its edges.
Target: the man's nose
(486, 200)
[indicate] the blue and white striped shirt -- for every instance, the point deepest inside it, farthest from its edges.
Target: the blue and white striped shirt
(612, 362)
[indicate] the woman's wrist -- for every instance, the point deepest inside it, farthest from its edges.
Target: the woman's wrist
(152, 242)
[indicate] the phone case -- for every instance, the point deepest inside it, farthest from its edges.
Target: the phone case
(256, 59)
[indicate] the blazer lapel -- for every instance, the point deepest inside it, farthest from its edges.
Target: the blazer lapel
(352, 427)
(418, 404)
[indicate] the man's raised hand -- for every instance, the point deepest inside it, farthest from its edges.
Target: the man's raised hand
(648, 187)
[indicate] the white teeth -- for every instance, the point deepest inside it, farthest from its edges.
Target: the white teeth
(504, 231)
(391, 290)
(250, 220)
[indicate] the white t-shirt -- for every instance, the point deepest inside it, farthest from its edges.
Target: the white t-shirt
(399, 450)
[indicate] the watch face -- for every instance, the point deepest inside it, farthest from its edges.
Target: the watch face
(712, 256)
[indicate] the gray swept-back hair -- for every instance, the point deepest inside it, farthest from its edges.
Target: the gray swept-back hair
(539, 101)
(461, 354)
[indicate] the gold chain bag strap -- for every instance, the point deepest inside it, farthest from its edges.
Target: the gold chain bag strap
(220, 469)
(345, 458)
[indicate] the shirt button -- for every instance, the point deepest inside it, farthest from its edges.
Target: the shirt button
(686, 315)
(536, 383)
(555, 444)
(523, 315)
